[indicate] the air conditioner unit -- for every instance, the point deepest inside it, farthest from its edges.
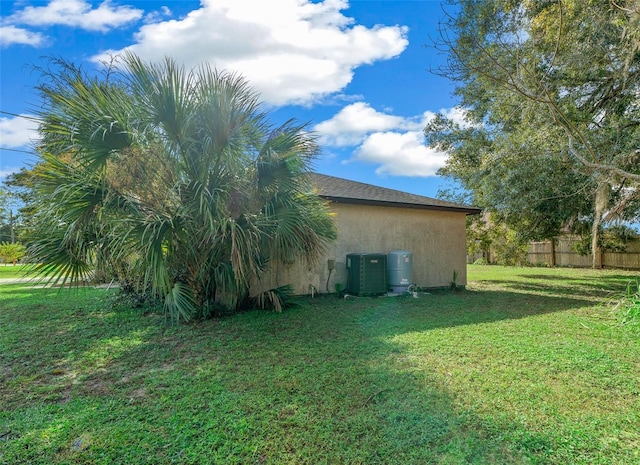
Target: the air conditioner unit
(367, 273)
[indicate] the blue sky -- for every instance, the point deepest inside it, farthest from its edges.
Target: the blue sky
(356, 70)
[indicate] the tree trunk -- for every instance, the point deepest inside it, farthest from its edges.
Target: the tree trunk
(11, 228)
(602, 200)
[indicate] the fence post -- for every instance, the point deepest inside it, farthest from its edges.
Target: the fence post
(553, 252)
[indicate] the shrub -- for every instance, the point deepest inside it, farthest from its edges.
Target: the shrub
(12, 253)
(629, 305)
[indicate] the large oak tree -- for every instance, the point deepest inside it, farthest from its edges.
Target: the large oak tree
(552, 90)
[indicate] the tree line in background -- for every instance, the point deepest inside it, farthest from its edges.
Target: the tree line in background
(551, 89)
(14, 196)
(172, 182)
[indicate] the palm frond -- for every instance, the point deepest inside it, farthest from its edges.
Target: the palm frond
(275, 299)
(174, 181)
(179, 303)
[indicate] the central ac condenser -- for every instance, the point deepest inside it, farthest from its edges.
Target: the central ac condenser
(367, 273)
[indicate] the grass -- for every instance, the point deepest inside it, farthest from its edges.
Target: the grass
(527, 366)
(14, 271)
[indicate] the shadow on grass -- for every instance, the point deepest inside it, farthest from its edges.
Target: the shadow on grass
(446, 309)
(592, 286)
(318, 384)
(598, 284)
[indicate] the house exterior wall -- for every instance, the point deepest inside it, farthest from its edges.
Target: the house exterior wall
(436, 240)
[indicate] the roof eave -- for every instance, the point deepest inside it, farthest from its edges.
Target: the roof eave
(382, 203)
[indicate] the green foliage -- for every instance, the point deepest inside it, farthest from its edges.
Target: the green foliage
(508, 247)
(628, 305)
(12, 253)
(498, 243)
(505, 174)
(172, 181)
(11, 218)
(549, 92)
(276, 299)
(611, 239)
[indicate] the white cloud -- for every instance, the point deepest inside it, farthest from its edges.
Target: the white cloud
(17, 132)
(352, 124)
(77, 13)
(395, 143)
(292, 51)
(400, 154)
(155, 16)
(11, 35)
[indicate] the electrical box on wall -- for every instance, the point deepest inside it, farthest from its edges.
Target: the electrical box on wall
(367, 273)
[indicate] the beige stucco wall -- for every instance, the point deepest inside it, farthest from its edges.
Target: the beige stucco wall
(435, 238)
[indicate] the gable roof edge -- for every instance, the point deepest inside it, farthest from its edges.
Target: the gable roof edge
(341, 190)
(382, 203)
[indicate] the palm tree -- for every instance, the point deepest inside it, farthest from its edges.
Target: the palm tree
(173, 179)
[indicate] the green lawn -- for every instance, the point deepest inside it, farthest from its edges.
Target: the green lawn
(527, 366)
(14, 271)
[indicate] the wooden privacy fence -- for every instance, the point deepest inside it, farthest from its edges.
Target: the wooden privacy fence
(561, 252)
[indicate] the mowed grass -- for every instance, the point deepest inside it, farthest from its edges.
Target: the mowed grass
(527, 366)
(14, 271)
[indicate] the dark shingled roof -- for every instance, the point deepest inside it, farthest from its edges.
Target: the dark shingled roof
(344, 191)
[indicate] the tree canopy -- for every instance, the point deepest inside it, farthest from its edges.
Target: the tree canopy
(12, 252)
(551, 90)
(172, 180)
(10, 211)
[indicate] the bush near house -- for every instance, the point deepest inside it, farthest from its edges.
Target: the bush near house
(175, 181)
